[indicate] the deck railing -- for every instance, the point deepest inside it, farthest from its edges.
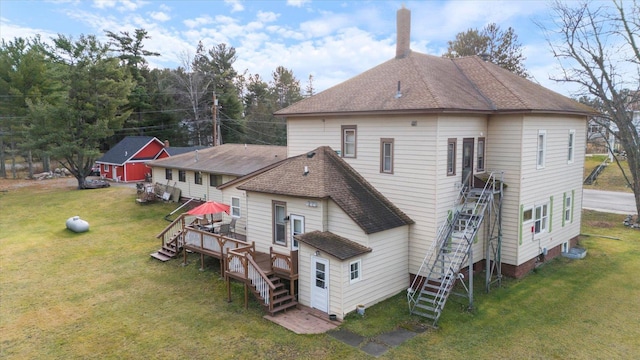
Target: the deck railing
(286, 264)
(241, 264)
(172, 232)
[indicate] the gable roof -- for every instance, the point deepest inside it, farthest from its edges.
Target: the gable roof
(433, 84)
(333, 244)
(227, 159)
(126, 149)
(329, 176)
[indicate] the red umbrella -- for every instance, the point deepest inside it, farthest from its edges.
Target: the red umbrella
(210, 207)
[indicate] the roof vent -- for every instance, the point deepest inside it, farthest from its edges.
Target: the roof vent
(306, 171)
(196, 155)
(398, 93)
(310, 154)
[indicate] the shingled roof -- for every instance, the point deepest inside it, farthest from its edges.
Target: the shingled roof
(227, 159)
(338, 246)
(418, 83)
(321, 174)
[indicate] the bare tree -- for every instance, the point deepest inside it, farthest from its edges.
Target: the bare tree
(597, 46)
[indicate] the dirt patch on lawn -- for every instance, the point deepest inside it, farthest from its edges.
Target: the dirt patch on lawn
(55, 183)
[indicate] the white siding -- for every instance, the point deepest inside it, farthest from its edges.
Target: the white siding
(549, 184)
(504, 149)
(383, 273)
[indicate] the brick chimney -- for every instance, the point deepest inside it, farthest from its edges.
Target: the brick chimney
(403, 24)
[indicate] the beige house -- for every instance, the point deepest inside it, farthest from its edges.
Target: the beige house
(409, 166)
(416, 126)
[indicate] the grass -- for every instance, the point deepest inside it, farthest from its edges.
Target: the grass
(611, 178)
(100, 295)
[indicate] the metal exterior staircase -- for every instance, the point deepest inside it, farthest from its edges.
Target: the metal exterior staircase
(442, 264)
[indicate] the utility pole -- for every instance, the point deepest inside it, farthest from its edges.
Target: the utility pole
(214, 111)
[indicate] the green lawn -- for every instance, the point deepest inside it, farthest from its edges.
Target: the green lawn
(99, 295)
(611, 178)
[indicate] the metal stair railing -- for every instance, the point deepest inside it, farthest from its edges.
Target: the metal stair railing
(452, 259)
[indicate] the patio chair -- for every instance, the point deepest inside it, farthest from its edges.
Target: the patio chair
(223, 230)
(232, 227)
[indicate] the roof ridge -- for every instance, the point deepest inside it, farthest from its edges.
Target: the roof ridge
(490, 72)
(491, 104)
(422, 78)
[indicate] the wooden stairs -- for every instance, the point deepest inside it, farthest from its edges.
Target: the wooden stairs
(170, 250)
(281, 301)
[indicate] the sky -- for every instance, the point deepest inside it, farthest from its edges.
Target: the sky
(330, 40)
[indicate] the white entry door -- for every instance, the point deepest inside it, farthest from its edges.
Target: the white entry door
(297, 227)
(114, 172)
(320, 283)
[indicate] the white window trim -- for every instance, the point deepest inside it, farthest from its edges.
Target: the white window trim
(572, 146)
(359, 278)
(234, 208)
(568, 206)
(544, 218)
(541, 151)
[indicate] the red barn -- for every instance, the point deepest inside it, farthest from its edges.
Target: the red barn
(127, 160)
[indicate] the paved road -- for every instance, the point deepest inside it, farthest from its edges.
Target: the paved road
(609, 201)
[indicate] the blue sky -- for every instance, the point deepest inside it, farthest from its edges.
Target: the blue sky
(331, 40)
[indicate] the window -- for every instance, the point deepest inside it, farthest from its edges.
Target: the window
(527, 215)
(355, 271)
(568, 208)
(386, 156)
(542, 148)
(215, 180)
(235, 207)
(197, 179)
(106, 167)
(182, 176)
(279, 211)
(480, 159)
(572, 140)
(349, 141)
(168, 174)
(541, 218)
(451, 156)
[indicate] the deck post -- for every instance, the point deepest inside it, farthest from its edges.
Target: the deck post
(246, 296)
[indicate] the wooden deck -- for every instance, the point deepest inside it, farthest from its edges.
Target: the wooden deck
(304, 320)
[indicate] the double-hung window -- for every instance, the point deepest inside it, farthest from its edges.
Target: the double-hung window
(279, 226)
(182, 175)
(386, 156)
(235, 207)
(568, 208)
(349, 133)
(541, 149)
(571, 147)
(355, 271)
(215, 180)
(451, 156)
(197, 179)
(168, 174)
(541, 218)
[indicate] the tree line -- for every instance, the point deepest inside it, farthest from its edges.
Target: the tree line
(72, 99)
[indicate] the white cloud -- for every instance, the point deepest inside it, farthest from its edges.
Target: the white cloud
(297, 3)
(159, 16)
(267, 16)
(199, 21)
(236, 6)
